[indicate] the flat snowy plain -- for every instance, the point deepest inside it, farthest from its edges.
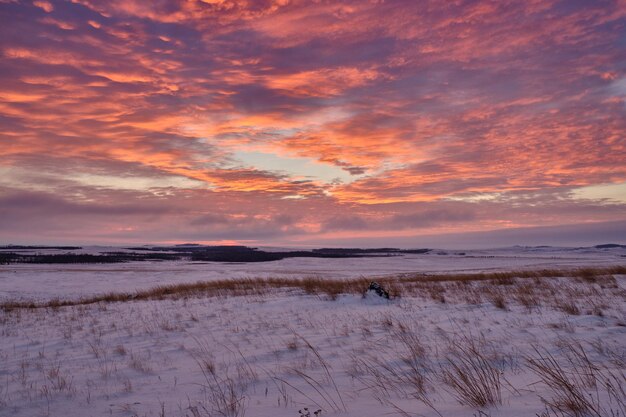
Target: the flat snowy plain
(504, 347)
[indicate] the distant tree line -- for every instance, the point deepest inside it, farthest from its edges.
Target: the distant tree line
(75, 258)
(22, 247)
(197, 254)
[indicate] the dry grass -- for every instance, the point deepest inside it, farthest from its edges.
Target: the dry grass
(573, 380)
(568, 306)
(497, 297)
(332, 398)
(414, 284)
(398, 365)
(525, 295)
(224, 385)
(472, 375)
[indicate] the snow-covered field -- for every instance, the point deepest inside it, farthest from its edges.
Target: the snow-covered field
(70, 281)
(274, 354)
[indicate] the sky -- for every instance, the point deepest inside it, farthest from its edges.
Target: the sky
(312, 122)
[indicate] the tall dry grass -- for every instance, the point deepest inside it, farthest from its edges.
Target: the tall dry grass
(574, 382)
(472, 374)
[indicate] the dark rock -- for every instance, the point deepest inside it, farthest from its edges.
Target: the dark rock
(377, 289)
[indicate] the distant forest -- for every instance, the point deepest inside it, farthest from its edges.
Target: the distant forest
(195, 253)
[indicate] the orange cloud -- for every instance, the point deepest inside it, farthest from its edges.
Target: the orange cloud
(45, 5)
(321, 83)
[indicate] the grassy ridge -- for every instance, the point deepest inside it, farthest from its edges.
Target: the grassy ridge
(330, 287)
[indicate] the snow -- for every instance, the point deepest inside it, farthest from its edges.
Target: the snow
(284, 351)
(71, 281)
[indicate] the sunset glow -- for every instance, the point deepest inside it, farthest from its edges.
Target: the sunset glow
(288, 122)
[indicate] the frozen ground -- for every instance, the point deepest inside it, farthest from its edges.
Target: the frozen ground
(272, 355)
(70, 281)
(507, 341)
